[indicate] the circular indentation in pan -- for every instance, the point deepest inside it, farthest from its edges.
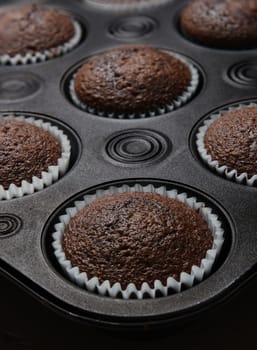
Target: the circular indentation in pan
(15, 86)
(49, 229)
(132, 27)
(127, 5)
(137, 146)
(9, 224)
(244, 73)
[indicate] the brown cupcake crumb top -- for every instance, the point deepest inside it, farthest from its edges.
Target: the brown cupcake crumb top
(135, 238)
(232, 140)
(131, 79)
(228, 24)
(25, 151)
(32, 28)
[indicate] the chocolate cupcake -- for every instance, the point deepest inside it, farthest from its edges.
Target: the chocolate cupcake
(227, 143)
(34, 33)
(135, 81)
(137, 242)
(229, 24)
(33, 154)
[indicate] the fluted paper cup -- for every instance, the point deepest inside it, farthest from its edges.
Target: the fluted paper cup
(177, 103)
(54, 171)
(198, 273)
(223, 170)
(45, 55)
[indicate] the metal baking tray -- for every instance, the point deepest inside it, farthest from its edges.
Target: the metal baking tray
(227, 77)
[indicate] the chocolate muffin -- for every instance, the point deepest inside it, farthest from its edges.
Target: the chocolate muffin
(136, 237)
(132, 79)
(32, 28)
(232, 140)
(230, 24)
(25, 151)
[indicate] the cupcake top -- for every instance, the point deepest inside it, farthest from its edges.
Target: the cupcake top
(136, 237)
(232, 140)
(25, 151)
(32, 28)
(131, 79)
(230, 24)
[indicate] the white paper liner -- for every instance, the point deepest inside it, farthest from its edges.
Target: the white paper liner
(134, 5)
(54, 171)
(46, 54)
(105, 288)
(177, 103)
(223, 170)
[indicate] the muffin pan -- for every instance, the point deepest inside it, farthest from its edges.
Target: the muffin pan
(157, 150)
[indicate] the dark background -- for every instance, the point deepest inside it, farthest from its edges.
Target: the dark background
(26, 324)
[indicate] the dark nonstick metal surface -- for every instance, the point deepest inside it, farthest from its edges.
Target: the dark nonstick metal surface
(27, 324)
(228, 77)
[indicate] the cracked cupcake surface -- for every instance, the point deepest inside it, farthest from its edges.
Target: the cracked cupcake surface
(232, 140)
(32, 28)
(25, 151)
(135, 238)
(228, 24)
(132, 79)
